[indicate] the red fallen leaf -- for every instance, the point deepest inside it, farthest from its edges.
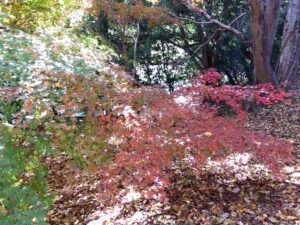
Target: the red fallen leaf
(28, 105)
(71, 103)
(289, 101)
(9, 93)
(24, 125)
(149, 194)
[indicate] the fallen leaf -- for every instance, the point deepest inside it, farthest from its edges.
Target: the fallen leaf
(273, 219)
(207, 134)
(236, 190)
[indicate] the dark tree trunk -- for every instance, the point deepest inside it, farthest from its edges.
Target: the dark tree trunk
(124, 50)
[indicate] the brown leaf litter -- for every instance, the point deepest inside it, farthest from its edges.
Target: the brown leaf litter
(206, 198)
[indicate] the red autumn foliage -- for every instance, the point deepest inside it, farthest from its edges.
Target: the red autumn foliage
(208, 77)
(208, 83)
(145, 131)
(160, 131)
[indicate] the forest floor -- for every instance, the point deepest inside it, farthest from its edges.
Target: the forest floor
(247, 195)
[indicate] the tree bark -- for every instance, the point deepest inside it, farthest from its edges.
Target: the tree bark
(264, 20)
(290, 45)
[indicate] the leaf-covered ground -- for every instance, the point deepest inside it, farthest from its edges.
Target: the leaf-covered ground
(282, 120)
(57, 49)
(246, 195)
(210, 198)
(24, 97)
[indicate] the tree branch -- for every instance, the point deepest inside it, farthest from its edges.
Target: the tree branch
(191, 20)
(210, 19)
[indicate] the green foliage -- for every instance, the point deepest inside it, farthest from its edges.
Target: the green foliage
(8, 109)
(31, 14)
(23, 197)
(15, 59)
(170, 52)
(93, 40)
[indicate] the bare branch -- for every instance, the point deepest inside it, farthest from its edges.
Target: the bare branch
(198, 48)
(191, 20)
(238, 18)
(206, 22)
(209, 18)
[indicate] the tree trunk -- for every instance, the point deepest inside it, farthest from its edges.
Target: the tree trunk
(124, 50)
(136, 41)
(264, 20)
(290, 45)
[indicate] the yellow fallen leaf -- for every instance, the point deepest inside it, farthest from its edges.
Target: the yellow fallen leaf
(34, 220)
(228, 221)
(240, 208)
(282, 216)
(249, 211)
(58, 85)
(215, 210)
(253, 206)
(273, 219)
(46, 83)
(291, 217)
(207, 134)
(261, 218)
(247, 200)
